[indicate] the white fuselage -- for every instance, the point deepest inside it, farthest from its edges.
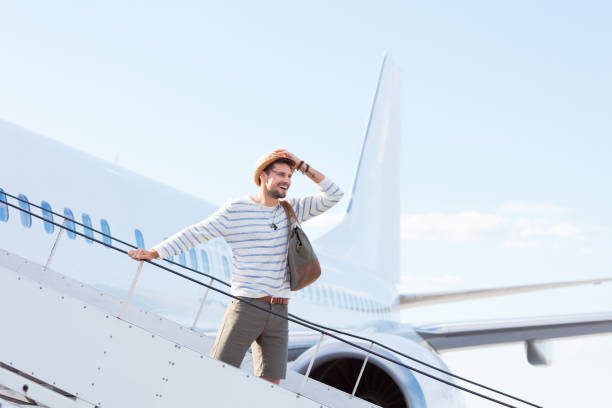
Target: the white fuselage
(44, 170)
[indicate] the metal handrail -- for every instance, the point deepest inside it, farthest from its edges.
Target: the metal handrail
(300, 321)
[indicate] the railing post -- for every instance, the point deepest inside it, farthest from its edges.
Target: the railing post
(129, 295)
(195, 322)
(59, 235)
(365, 361)
(311, 364)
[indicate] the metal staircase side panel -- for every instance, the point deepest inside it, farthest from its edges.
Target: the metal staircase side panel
(162, 328)
(110, 363)
(145, 319)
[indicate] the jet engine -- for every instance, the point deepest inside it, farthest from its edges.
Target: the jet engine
(383, 382)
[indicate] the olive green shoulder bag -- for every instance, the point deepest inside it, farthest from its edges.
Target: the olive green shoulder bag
(303, 266)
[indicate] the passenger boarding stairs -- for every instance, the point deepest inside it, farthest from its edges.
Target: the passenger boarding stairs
(66, 344)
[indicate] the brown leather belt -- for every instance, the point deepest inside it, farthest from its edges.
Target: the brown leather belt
(278, 301)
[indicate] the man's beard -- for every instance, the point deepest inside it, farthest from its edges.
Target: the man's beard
(276, 194)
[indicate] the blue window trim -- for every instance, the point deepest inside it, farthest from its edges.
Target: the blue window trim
(48, 216)
(105, 229)
(26, 219)
(205, 262)
(139, 239)
(226, 268)
(87, 228)
(4, 212)
(193, 257)
(70, 225)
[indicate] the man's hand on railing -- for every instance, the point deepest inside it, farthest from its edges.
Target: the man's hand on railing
(143, 254)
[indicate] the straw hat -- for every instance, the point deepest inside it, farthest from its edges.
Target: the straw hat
(264, 161)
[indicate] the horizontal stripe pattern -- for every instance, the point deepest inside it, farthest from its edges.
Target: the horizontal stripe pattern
(259, 251)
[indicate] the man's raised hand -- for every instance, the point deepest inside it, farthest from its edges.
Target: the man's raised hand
(143, 254)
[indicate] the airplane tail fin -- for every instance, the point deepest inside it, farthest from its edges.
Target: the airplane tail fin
(368, 235)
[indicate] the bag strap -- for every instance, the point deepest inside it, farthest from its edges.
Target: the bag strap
(289, 209)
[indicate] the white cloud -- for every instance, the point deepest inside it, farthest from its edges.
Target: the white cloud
(539, 228)
(465, 226)
(511, 230)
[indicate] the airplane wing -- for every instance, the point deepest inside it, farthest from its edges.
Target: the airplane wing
(530, 330)
(410, 300)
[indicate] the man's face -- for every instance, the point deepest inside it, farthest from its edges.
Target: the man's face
(279, 180)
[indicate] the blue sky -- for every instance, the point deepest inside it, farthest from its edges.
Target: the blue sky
(505, 115)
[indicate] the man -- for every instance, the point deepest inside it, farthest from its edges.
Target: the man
(255, 227)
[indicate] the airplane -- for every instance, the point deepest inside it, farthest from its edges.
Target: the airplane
(357, 292)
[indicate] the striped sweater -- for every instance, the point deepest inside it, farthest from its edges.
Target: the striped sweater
(259, 251)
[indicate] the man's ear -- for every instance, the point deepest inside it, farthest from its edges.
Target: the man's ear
(263, 177)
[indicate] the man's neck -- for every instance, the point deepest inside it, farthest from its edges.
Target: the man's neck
(264, 199)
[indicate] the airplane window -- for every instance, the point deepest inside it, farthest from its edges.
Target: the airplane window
(354, 304)
(87, 228)
(370, 305)
(194, 258)
(106, 229)
(4, 215)
(139, 239)
(332, 296)
(338, 299)
(360, 304)
(182, 260)
(26, 218)
(317, 292)
(226, 267)
(324, 292)
(70, 227)
(205, 264)
(47, 215)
